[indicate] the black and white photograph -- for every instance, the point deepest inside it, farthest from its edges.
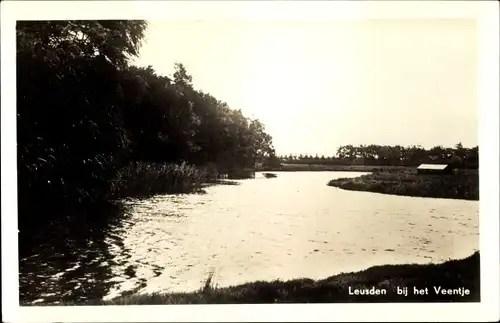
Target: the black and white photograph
(249, 153)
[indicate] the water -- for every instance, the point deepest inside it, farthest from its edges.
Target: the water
(262, 229)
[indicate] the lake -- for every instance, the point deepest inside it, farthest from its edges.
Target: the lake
(287, 227)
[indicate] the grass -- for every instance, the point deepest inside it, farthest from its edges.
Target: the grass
(146, 179)
(451, 274)
(464, 184)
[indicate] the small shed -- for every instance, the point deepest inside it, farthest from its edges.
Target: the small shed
(434, 169)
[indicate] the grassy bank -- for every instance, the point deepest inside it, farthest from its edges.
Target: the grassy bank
(146, 179)
(464, 184)
(452, 274)
(332, 168)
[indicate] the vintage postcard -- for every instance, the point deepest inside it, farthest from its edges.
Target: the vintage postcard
(249, 161)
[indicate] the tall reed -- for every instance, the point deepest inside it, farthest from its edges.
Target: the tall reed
(144, 179)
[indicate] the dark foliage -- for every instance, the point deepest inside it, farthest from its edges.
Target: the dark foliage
(85, 117)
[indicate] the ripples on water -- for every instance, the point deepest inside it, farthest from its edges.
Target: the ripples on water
(263, 229)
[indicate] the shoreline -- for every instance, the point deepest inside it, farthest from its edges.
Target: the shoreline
(463, 185)
(451, 281)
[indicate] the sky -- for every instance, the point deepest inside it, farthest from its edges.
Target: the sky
(320, 84)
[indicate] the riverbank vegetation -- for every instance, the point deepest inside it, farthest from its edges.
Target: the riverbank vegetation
(147, 179)
(452, 274)
(462, 184)
(91, 127)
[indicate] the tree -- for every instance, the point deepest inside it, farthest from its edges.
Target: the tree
(69, 70)
(114, 40)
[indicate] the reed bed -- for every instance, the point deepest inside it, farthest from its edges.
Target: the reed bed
(145, 179)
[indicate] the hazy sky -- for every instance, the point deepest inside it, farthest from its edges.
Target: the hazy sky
(317, 85)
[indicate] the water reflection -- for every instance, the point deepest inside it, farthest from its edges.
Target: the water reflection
(69, 259)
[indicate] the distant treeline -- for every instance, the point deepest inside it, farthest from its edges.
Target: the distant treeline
(375, 155)
(87, 119)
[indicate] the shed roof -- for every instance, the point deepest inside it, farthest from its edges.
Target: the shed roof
(433, 166)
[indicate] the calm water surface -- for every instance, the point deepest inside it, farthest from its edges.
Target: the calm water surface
(262, 229)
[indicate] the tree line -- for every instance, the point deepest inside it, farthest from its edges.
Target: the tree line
(374, 155)
(84, 113)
